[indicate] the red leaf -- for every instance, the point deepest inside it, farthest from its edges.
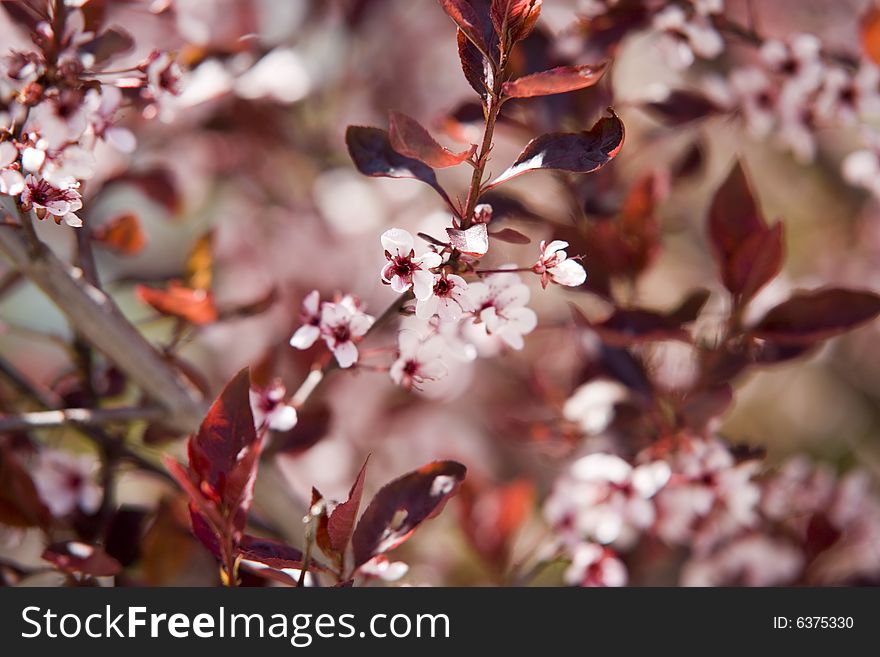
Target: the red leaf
(271, 553)
(122, 234)
(195, 306)
(371, 151)
(473, 64)
(402, 505)
(627, 327)
(741, 239)
(517, 16)
(491, 517)
(681, 107)
(467, 19)
(689, 308)
(817, 315)
(579, 152)
(340, 524)
(756, 262)
(555, 81)
(473, 242)
(227, 429)
(510, 235)
(869, 31)
(409, 138)
(76, 557)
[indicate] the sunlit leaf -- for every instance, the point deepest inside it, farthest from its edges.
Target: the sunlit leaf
(555, 81)
(578, 152)
(401, 506)
(409, 138)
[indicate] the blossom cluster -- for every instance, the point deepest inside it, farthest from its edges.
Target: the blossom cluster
(451, 319)
(737, 524)
(788, 90)
(60, 102)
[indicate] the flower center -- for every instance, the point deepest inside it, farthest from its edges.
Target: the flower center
(342, 333)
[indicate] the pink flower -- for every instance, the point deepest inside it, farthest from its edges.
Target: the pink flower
(595, 565)
(553, 265)
(418, 360)
(310, 316)
(64, 482)
(61, 120)
(269, 409)
(499, 306)
(448, 300)
(604, 499)
(11, 180)
(750, 560)
(685, 37)
(757, 96)
(404, 269)
(343, 325)
(798, 60)
(62, 204)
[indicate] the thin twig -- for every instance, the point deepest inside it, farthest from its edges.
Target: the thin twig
(90, 417)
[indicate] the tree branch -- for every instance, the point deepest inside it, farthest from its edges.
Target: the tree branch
(96, 317)
(78, 416)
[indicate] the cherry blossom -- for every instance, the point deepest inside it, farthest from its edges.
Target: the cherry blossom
(750, 560)
(404, 268)
(592, 405)
(798, 60)
(499, 303)
(11, 180)
(61, 119)
(419, 360)
(65, 482)
(62, 204)
(343, 325)
(306, 335)
(683, 37)
(757, 97)
(554, 265)
(269, 409)
(594, 565)
(603, 498)
(448, 301)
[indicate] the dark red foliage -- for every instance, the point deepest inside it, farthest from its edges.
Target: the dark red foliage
(580, 152)
(401, 506)
(681, 107)
(557, 80)
(373, 155)
(74, 557)
(808, 317)
(748, 251)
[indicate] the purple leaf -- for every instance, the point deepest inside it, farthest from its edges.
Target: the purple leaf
(555, 81)
(578, 152)
(373, 155)
(817, 315)
(401, 506)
